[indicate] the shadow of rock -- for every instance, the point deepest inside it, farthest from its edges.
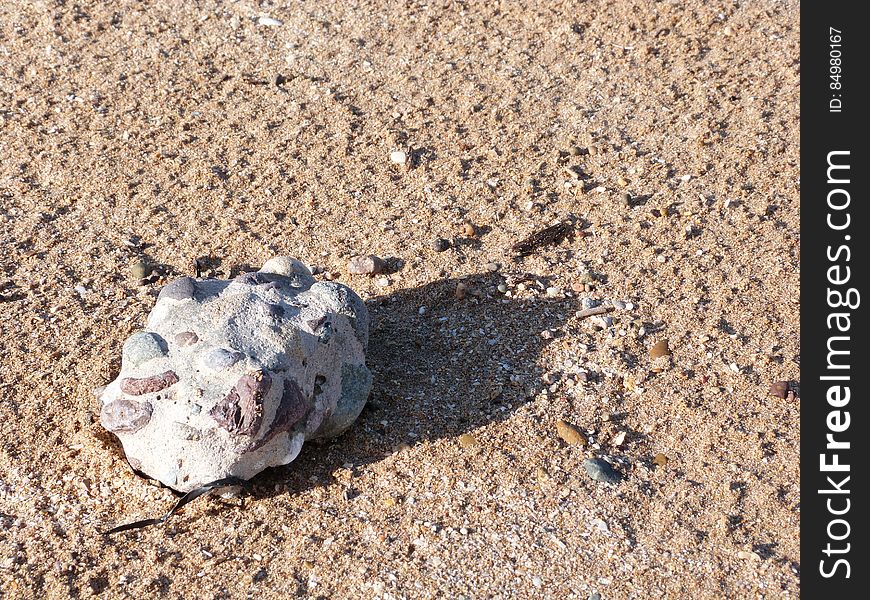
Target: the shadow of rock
(458, 366)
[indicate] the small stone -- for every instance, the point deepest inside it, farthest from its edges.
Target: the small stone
(461, 291)
(601, 470)
(554, 292)
(547, 334)
(269, 22)
(140, 270)
(659, 349)
(618, 439)
(576, 150)
(627, 199)
(383, 282)
(686, 178)
(622, 182)
(661, 258)
(492, 267)
(728, 30)
(660, 460)
(466, 440)
(593, 150)
(398, 157)
(588, 303)
(570, 434)
(440, 245)
(502, 288)
(259, 576)
(779, 389)
(619, 305)
(365, 265)
(748, 555)
(469, 229)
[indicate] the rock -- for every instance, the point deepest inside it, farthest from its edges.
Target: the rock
(619, 305)
(502, 288)
(601, 470)
(461, 291)
(570, 434)
(659, 350)
(469, 229)
(779, 389)
(231, 377)
(440, 245)
(365, 265)
(398, 157)
(660, 460)
(492, 267)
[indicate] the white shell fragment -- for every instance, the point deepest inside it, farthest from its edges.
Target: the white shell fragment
(231, 377)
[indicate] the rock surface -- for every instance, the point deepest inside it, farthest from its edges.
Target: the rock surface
(232, 376)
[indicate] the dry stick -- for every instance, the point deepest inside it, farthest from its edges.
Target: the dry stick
(589, 312)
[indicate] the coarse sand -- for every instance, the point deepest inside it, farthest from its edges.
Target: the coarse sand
(164, 138)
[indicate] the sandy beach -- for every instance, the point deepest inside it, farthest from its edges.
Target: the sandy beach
(145, 141)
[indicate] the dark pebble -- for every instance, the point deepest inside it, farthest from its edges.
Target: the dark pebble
(600, 470)
(440, 245)
(779, 389)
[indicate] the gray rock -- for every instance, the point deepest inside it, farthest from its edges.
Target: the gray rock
(600, 470)
(231, 377)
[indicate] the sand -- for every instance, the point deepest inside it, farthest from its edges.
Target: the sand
(171, 131)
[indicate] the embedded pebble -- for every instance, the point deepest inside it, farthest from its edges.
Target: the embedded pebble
(365, 265)
(398, 157)
(570, 434)
(660, 460)
(619, 305)
(554, 292)
(492, 266)
(383, 282)
(469, 229)
(502, 288)
(268, 384)
(461, 291)
(601, 470)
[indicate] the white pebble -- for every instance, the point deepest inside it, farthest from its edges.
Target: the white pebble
(383, 282)
(685, 178)
(398, 157)
(421, 310)
(661, 258)
(269, 22)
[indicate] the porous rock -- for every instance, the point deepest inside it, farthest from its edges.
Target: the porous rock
(232, 376)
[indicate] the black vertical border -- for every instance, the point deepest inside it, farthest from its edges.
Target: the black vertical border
(824, 131)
